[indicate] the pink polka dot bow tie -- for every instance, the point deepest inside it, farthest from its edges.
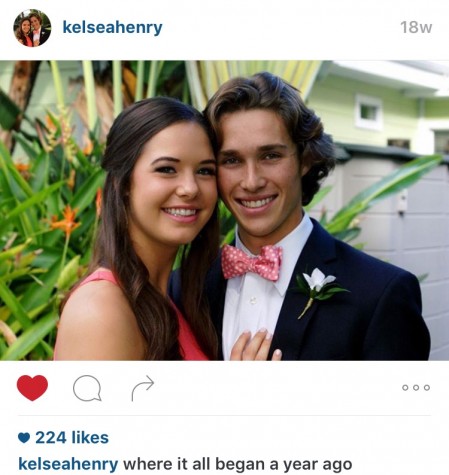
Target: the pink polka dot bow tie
(235, 262)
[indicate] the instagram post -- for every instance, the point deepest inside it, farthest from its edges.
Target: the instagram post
(175, 197)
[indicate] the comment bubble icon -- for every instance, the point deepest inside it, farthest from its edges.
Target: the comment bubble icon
(87, 388)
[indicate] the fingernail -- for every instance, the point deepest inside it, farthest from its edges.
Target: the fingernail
(263, 330)
(268, 336)
(278, 352)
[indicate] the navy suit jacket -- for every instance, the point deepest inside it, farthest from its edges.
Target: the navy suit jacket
(44, 35)
(378, 319)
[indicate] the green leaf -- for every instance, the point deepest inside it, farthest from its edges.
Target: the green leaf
(31, 152)
(13, 251)
(327, 294)
(319, 196)
(30, 338)
(35, 199)
(11, 173)
(401, 178)
(349, 234)
(69, 275)
(40, 177)
(85, 195)
(303, 286)
(14, 306)
(35, 294)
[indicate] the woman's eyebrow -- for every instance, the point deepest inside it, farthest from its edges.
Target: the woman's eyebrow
(207, 161)
(165, 159)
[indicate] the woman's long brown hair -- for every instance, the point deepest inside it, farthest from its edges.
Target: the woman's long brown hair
(114, 250)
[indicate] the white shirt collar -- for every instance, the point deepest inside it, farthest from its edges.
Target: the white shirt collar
(292, 246)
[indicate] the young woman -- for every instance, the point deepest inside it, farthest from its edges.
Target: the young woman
(23, 32)
(160, 193)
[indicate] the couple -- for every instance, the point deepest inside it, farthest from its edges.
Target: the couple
(268, 153)
(35, 37)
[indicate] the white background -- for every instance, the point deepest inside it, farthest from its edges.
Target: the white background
(236, 29)
(357, 411)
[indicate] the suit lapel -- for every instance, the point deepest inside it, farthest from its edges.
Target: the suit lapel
(319, 252)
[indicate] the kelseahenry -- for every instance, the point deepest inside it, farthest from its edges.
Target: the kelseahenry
(71, 464)
(115, 28)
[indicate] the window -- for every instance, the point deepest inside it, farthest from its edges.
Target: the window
(368, 112)
(442, 142)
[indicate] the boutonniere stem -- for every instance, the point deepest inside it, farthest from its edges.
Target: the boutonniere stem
(308, 305)
(317, 287)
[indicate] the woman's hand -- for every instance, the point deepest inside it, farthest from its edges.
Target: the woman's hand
(256, 348)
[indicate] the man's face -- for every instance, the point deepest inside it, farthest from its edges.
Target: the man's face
(259, 176)
(35, 23)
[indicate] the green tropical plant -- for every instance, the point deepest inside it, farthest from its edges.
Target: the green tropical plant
(49, 209)
(48, 217)
(205, 77)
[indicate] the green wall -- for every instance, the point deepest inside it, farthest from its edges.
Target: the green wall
(333, 99)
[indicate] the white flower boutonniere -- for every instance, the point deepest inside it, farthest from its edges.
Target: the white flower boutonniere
(317, 287)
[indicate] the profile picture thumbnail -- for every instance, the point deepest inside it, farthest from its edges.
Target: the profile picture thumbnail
(32, 28)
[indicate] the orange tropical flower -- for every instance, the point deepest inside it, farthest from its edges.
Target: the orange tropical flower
(89, 147)
(49, 123)
(98, 201)
(23, 169)
(67, 224)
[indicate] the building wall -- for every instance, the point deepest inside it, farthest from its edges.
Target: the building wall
(437, 109)
(43, 98)
(333, 99)
(417, 240)
(44, 95)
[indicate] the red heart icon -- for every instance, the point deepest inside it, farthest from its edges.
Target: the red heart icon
(32, 388)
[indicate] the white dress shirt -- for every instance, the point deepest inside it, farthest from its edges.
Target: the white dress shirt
(36, 35)
(252, 302)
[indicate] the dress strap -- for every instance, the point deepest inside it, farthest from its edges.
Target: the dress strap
(100, 275)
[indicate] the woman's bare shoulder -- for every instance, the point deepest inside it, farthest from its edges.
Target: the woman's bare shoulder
(97, 323)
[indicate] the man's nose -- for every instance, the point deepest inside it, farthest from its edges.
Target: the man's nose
(254, 178)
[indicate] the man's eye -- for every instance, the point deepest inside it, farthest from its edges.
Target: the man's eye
(271, 156)
(165, 170)
(229, 161)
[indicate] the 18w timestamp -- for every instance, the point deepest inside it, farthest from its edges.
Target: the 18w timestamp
(415, 27)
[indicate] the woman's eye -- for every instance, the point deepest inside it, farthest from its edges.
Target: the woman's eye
(165, 170)
(208, 171)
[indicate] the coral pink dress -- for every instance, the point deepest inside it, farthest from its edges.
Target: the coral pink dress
(190, 349)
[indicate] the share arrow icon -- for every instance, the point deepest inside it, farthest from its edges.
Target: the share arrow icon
(144, 385)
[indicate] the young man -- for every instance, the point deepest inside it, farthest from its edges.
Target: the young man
(272, 154)
(40, 34)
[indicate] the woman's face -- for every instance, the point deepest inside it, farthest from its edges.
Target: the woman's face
(26, 26)
(173, 188)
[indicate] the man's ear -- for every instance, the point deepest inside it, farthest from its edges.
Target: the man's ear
(304, 166)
